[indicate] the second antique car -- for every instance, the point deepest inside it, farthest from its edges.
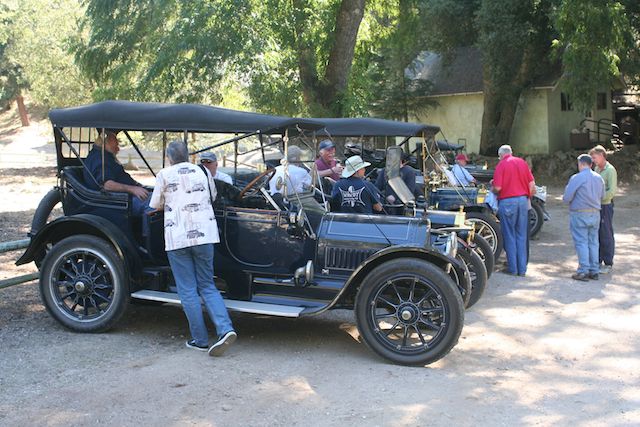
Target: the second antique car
(399, 275)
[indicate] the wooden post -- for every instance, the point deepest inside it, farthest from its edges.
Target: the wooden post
(22, 111)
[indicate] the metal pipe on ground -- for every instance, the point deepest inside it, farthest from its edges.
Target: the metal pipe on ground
(14, 245)
(17, 280)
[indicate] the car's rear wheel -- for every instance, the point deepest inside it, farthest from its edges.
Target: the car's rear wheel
(83, 284)
(409, 312)
(487, 226)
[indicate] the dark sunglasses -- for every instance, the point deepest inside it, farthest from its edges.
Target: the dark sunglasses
(206, 161)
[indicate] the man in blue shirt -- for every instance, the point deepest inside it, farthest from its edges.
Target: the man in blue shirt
(583, 194)
(408, 175)
(352, 194)
(115, 178)
(460, 173)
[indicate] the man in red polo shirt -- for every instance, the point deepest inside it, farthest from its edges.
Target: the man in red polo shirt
(514, 185)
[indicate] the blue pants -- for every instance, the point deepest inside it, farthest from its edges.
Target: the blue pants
(607, 241)
(193, 272)
(514, 221)
(584, 230)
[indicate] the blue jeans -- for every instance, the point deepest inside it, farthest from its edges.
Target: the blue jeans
(514, 221)
(584, 230)
(193, 272)
(607, 241)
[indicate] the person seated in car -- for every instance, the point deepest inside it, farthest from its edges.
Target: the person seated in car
(461, 175)
(326, 163)
(408, 175)
(115, 177)
(352, 193)
(210, 161)
(296, 180)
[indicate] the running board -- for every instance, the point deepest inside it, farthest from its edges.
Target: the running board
(235, 305)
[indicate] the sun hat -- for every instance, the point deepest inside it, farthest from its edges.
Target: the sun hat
(462, 156)
(352, 165)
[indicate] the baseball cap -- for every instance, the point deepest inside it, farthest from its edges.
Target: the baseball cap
(327, 143)
(208, 155)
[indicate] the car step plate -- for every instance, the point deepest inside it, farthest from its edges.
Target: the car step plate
(242, 306)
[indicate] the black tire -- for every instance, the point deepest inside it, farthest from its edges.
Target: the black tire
(426, 302)
(488, 227)
(478, 275)
(44, 209)
(536, 219)
(483, 249)
(463, 284)
(83, 284)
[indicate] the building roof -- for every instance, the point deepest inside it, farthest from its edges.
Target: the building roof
(463, 74)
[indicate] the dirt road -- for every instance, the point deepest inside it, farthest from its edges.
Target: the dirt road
(536, 350)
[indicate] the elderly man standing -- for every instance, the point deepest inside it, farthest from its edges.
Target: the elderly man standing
(610, 177)
(514, 185)
(326, 163)
(189, 234)
(583, 193)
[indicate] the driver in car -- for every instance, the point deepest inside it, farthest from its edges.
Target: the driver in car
(115, 177)
(408, 175)
(296, 180)
(352, 193)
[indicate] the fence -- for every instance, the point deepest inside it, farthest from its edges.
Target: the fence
(14, 246)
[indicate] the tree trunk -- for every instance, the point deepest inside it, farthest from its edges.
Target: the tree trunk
(22, 111)
(341, 57)
(323, 95)
(501, 104)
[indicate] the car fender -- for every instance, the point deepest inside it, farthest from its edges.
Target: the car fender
(94, 225)
(352, 284)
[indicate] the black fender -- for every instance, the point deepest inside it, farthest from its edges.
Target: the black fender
(352, 284)
(93, 225)
(480, 209)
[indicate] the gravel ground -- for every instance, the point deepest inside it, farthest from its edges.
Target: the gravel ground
(536, 350)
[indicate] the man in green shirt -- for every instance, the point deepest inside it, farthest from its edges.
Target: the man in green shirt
(610, 176)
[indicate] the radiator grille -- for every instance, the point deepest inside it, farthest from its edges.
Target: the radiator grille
(345, 258)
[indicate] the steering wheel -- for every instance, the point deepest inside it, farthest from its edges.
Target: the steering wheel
(250, 186)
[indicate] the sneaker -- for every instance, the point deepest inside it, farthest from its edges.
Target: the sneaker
(223, 343)
(581, 277)
(192, 344)
(606, 269)
(593, 276)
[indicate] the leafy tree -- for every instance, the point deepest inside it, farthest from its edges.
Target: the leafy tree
(516, 37)
(35, 42)
(598, 40)
(181, 51)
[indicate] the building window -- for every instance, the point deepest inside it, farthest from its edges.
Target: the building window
(565, 102)
(601, 101)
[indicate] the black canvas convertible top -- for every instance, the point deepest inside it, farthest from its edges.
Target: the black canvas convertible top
(149, 116)
(375, 127)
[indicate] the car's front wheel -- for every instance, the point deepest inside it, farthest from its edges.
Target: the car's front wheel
(488, 227)
(83, 284)
(409, 312)
(536, 219)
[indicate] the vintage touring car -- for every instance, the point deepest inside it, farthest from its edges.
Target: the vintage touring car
(399, 275)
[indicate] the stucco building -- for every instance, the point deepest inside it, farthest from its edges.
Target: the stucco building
(544, 119)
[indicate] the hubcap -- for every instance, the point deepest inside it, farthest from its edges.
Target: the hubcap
(82, 285)
(409, 315)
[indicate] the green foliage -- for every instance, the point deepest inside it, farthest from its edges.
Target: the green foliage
(593, 37)
(35, 43)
